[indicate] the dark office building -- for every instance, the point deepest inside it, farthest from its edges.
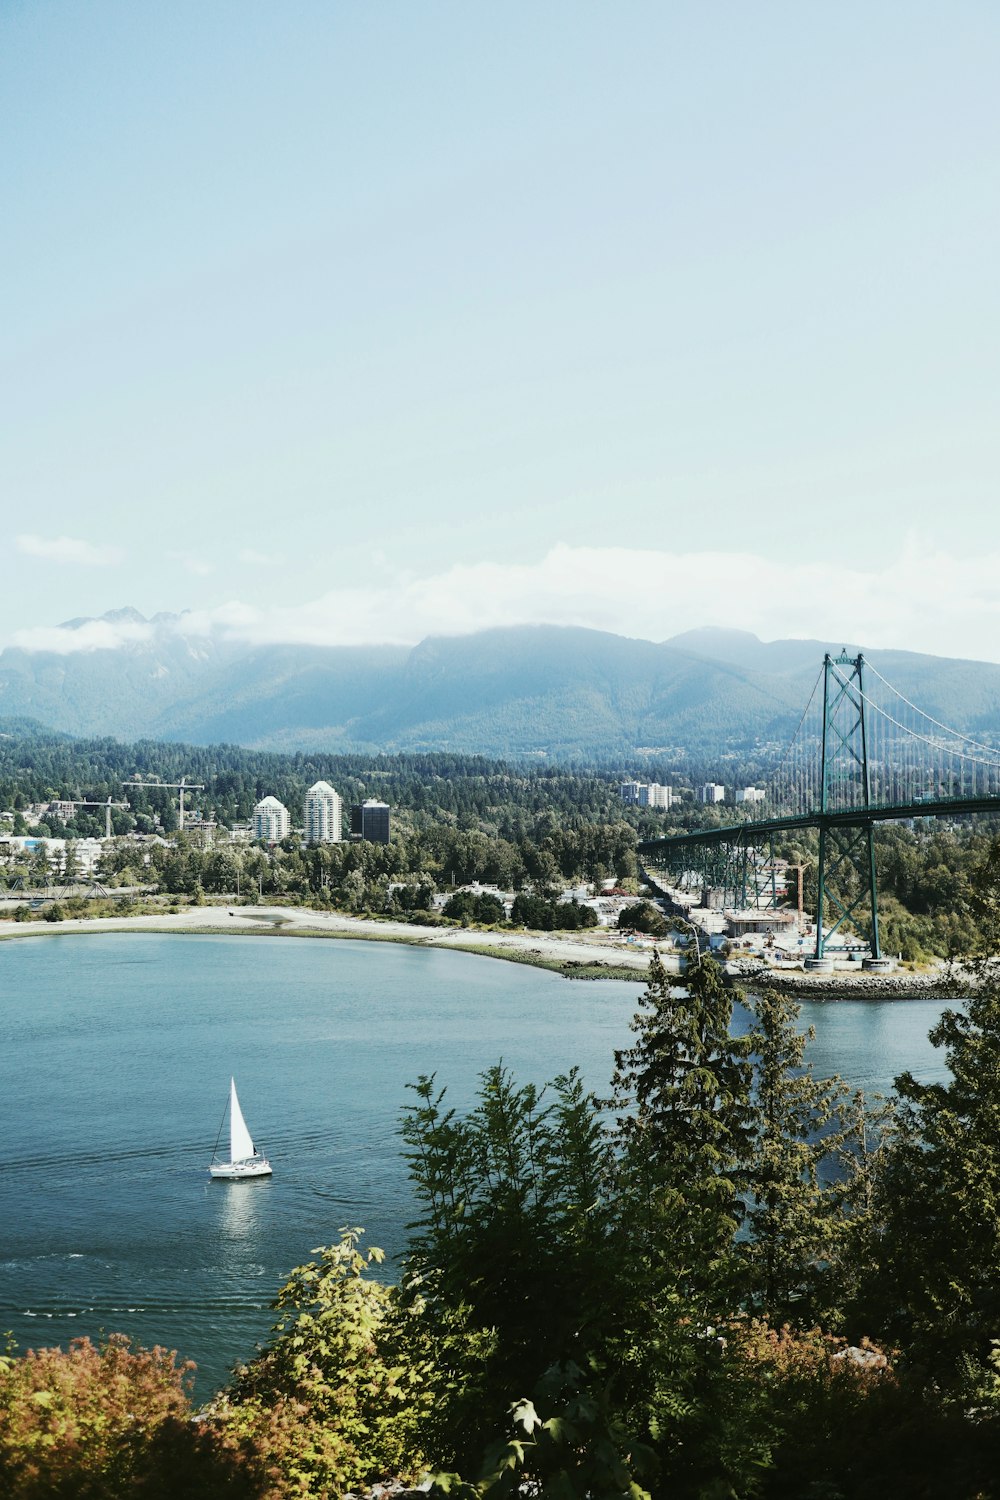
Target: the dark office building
(370, 821)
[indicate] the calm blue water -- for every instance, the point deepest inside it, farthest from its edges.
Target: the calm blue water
(115, 1056)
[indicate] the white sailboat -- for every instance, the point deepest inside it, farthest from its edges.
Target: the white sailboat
(244, 1160)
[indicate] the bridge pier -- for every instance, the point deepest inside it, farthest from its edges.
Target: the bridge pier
(818, 964)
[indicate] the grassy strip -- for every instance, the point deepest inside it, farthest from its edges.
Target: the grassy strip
(569, 968)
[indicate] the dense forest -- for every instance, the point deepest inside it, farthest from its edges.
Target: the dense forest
(730, 1278)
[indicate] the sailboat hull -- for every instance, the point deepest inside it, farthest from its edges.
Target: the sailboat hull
(235, 1171)
(244, 1158)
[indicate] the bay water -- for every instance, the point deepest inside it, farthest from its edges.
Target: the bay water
(115, 1057)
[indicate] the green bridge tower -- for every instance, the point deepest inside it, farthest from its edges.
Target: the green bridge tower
(847, 889)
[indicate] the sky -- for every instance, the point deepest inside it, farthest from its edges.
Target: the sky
(342, 322)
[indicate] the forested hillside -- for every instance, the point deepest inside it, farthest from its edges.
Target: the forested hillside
(558, 692)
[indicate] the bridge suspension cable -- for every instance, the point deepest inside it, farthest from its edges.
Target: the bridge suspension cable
(955, 733)
(908, 754)
(774, 786)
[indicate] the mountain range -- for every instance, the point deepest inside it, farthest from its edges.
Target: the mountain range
(525, 690)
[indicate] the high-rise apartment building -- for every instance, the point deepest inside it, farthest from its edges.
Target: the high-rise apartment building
(323, 814)
(370, 821)
(750, 794)
(712, 792)
(645, 794)
(270, 820)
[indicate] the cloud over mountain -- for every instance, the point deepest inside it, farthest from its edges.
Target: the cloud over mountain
(510, 690)
(923, 599)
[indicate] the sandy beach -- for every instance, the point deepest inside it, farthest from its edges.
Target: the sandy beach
(598, 949)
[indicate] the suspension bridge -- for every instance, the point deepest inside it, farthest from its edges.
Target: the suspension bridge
(862, 754)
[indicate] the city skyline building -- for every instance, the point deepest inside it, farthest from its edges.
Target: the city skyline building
(712, 791)
(645, 794)
(323, 814)
(370, 821)
(270, 820)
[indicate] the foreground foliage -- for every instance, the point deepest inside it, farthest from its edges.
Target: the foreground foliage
(96, 1421)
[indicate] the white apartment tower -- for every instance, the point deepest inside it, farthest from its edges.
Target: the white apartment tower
(659, 796)
(645, 794)
(270, 820)
(323, 814)
(712, 791)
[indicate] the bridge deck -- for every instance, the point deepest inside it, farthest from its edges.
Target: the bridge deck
(856, 817)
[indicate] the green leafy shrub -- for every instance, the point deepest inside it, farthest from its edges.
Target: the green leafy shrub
(340, 1394)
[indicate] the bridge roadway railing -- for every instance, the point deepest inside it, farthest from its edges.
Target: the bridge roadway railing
(854, 817)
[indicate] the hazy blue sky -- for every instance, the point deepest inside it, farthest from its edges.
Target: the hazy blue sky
(354, 320)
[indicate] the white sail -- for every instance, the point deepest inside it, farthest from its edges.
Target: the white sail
(240, 1144)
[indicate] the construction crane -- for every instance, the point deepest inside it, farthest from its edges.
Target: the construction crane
(180, 787)
(108, 805)
(799, 869)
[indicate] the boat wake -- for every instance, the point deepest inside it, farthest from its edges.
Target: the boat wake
(52, 1310)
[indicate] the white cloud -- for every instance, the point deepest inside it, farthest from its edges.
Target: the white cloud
(193, 563)
(95, 635)
(921, 600)
(69, 549)
(255, 559)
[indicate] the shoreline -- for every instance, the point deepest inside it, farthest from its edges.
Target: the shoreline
(569, 956)
(601, 956)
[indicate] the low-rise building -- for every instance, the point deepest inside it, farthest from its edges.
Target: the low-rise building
(64, 811)
(778, 920)
(440, 899)
(82, 854)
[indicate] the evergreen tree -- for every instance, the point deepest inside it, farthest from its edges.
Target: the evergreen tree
(793, 1215)
(513, 1233)
(933, 1284)
(684, 1092)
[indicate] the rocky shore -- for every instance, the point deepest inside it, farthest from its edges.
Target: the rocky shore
(843, 985)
